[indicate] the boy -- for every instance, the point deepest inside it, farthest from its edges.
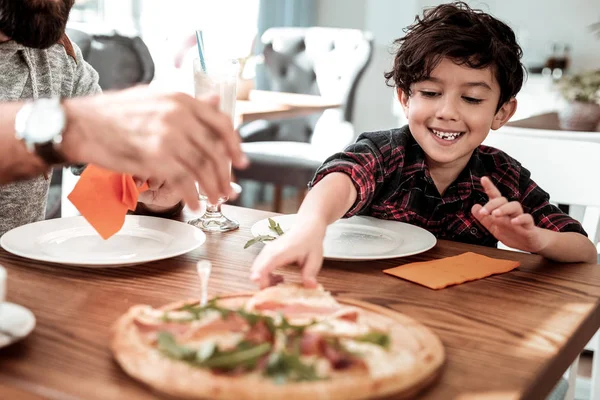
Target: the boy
(457, 72)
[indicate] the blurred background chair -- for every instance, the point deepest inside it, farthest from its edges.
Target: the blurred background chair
(566, 168)
(320, 61)
(121, 62)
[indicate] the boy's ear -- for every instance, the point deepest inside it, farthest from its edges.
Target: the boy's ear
(403, 99)
(504, 113)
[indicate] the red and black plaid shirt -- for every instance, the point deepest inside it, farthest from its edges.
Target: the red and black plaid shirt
(393, 182)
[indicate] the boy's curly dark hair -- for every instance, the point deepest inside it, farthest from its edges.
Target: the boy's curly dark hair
(466, 36)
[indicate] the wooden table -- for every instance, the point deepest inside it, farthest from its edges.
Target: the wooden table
(547, 121)
(507, 336)
(277, 105)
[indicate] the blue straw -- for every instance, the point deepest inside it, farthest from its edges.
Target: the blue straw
(200, 43)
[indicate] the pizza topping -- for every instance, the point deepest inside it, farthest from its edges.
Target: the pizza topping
(328, 347)
(379, 362)
(259, 333)
(295, 309)
(270, 338)
(283, 367)
(245, 355)
(379, 338)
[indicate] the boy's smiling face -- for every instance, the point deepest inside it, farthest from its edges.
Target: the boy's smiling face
(452, 112)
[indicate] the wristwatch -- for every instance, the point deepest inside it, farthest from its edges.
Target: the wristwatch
(40, 124)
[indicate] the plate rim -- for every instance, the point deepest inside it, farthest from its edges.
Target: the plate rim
(369, 257)
(100, 264)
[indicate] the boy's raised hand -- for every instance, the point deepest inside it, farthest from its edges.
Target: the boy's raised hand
(301, 246)
(507, 221)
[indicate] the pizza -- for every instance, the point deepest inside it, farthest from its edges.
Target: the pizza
(284, 342)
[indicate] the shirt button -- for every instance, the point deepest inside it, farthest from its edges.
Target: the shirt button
(473, 231)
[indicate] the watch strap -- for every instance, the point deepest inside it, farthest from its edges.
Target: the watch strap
(49, 153)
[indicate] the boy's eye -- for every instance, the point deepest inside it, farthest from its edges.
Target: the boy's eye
(426, 93)
(472, 100)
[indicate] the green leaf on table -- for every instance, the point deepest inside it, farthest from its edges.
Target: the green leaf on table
(275, 227)
(259, 239)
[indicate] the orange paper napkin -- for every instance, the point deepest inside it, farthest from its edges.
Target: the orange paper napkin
(103, 198)
(449, 271)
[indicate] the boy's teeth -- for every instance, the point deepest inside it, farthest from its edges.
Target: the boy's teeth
(446, 135)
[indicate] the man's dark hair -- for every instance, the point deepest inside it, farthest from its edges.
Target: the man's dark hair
(464, 35)
(34, 23)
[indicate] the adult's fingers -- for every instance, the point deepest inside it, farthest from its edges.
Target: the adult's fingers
(204, 173)
(155, 183)
(490, 189)
(139, 181)
(182, 184)
(222, 126)
(205, 149)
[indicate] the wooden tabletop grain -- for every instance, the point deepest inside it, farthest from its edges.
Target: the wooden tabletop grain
(507, 336)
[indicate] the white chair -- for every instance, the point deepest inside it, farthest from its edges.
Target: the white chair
(67, 209)
(567, 168)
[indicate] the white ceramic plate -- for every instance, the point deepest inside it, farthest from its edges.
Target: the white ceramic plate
(73, 241)
(362, 238)
(16, 322)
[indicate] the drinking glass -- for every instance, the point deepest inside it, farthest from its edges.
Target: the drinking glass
(219, 78)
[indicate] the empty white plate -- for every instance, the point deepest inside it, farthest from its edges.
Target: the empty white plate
(362, 238)
(73, 241)
(16, 322)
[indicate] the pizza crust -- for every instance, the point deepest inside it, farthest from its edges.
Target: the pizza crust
(179, 379)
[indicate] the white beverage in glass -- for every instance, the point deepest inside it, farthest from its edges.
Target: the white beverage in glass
(220, 79)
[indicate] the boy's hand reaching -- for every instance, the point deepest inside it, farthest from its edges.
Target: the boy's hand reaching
(302, 246)
(507, 221)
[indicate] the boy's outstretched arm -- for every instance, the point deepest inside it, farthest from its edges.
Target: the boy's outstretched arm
(326, 202)
(512, 226)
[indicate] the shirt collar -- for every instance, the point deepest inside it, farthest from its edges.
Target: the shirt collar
(468, 182)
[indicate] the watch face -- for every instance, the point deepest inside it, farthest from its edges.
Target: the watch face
(46, 121)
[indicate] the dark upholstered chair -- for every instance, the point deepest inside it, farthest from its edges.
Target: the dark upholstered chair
(321, 61)
(120, 61)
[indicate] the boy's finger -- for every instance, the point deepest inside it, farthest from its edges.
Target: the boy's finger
(267, 261)
(491, 190)
(524, 220)
(512, 209)
(310, 270)
(476, 211)
(485, 220)
(493, 204)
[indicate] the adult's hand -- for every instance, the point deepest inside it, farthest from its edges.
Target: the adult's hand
(171, 137)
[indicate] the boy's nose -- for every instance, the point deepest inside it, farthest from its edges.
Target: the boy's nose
(447, 110)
